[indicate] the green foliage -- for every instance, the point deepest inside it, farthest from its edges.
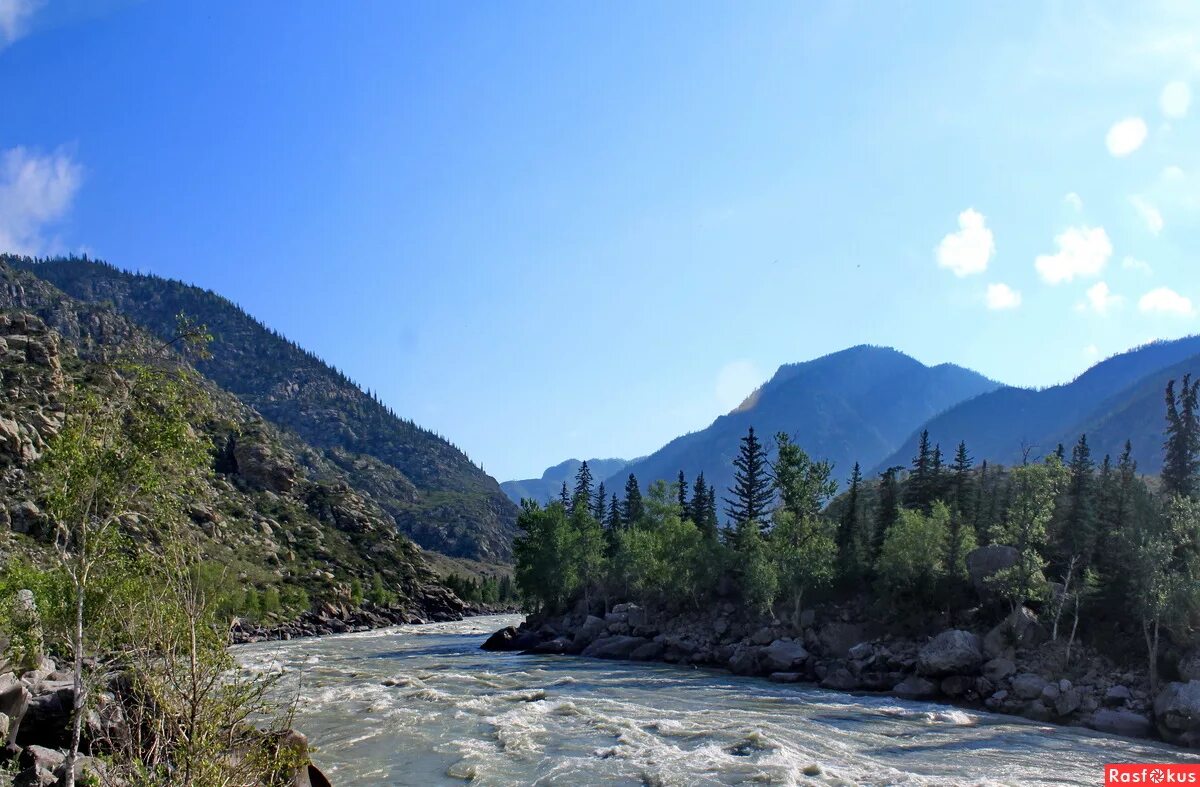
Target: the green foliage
(912, 561)
(751, 493)
(755, 570)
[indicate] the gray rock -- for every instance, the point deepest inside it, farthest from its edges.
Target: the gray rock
(836, 639)
(785, 677)
(1020, 629)
(651, 651)
(862, 651)
(914, 687)
(14, 702)
(1121, 722)
(997, 670)
(744, 660)
(784, 655)
(840, 680)
(1189, 666)
(619, 647)
(984, 562)
(1028, 686)
(1117, 695)
(957, 685)
(592, 628)
(1037, 711)
(953, 652)
(1068, 702)
(1177, 713)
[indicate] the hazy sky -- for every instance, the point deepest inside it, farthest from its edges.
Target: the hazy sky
(576, 229)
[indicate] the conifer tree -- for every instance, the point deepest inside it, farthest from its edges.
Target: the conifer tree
(564, 497)
(682, 492)
(888, 509)
(1181, 463)
(751, 490)
(711, 519)
(583, 488)
(697, 508)
(613, 521)
(850, 540)
(634, 509)
(598, 508)
(920, 490)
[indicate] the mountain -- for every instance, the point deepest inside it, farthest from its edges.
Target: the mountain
(550, 484)
(855, 405)
(1117, 399)
(275, 514)
(435, 493)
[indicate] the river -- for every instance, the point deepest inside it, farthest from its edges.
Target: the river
(422, 705)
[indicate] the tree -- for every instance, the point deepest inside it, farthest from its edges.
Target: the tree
(751, 491)
(582, 497)
(964, 496)
(920, 491)
(912, 561)
(888, 510)
(756, 574)
(1034, 489)
(613, 522)
(544, 571)
(564, 497)
(698, 510)
(585, 550)
(598, 508)
(681, 491)
(633, 511)
(804, 486)
(1076, 539)
(1181, 463)
(132, 452)
(853, 541)
(804, 554)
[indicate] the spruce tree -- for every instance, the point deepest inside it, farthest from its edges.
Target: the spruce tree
(564, 497)
(850, 540)
(601, 502)
(712, 522)
(919, 492)
(964, 495)
(634, 509)
(613, 521)
(583, 488)
(751, 490)
(888, 510)
(682, 492)
(697, 509)
(1181, 463)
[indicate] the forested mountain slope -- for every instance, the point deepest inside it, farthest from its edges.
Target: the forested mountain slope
(434, 492)
(550, 484)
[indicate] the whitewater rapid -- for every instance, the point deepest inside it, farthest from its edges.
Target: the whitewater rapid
(422, 705)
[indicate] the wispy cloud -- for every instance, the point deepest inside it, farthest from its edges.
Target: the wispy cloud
(14, 19)
(970, 249)
(35, 191)
(1148, 212)
(1082, 252)
(1164, 300)
(1001, 297)
(737, 380)
(1175, 100)
(1134, 264)
(1126, 136)
(1101, 300)
(1075, 201)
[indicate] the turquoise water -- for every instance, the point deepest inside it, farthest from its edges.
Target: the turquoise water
(422, 705)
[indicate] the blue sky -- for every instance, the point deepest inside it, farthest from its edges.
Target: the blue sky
(576, 229)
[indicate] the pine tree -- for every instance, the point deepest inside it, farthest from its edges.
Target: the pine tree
(1181, 463)
(564, 497)
(888, 509)
(682, 492)
(601, 501)
(919, 492)
(850, 538)
(634, 509)
(751, 490)
(964, 495)
(583, 488)
(613, 521)
(711, 520)
(696, 510)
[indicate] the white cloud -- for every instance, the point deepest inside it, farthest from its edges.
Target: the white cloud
(1175, 99)
(1075, 201)
(1134, 264)
(1001, 297)
(1164, 300)
(1126, 136)
(35, 191)
(970, 249)
(14, 19)
(1101, 300)
(1082, 251)
(736, 381)
(1091, 352)
(1149, 213)
(1172, 172)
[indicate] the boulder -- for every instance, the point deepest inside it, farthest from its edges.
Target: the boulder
(1068, 702)
(651, 651)
(25, 518)
(552, 647)
(784, 655)
(501, 640)
(997, 670)
(1121, 722)
(1020, 629)
(1177, 713)
(14, 701)
(1117, 695)
(47, 719)
(862, 651)
(953, 652)
(617, 647)
(837, 638)
(1037, 711)
(744, 660)
(1189, 666)
(914, 687)
(1028, 686)
(957, 685)
(840, 680)
(592, 628)
(985, 562)
(785, 677)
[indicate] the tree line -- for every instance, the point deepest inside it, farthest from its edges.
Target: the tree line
(1097, 548)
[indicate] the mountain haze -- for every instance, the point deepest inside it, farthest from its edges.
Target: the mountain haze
(550, 484)
(857, 405)
(1117, 399)
(436, 495)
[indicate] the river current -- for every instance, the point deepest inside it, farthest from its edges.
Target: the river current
(422, 705)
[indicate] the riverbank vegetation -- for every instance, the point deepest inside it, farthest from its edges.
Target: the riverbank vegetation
(1098, 550)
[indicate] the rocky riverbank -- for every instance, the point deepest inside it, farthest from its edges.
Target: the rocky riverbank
(1010, 668)
(35, 715)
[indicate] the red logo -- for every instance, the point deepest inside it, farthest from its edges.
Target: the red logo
(1152, 774)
